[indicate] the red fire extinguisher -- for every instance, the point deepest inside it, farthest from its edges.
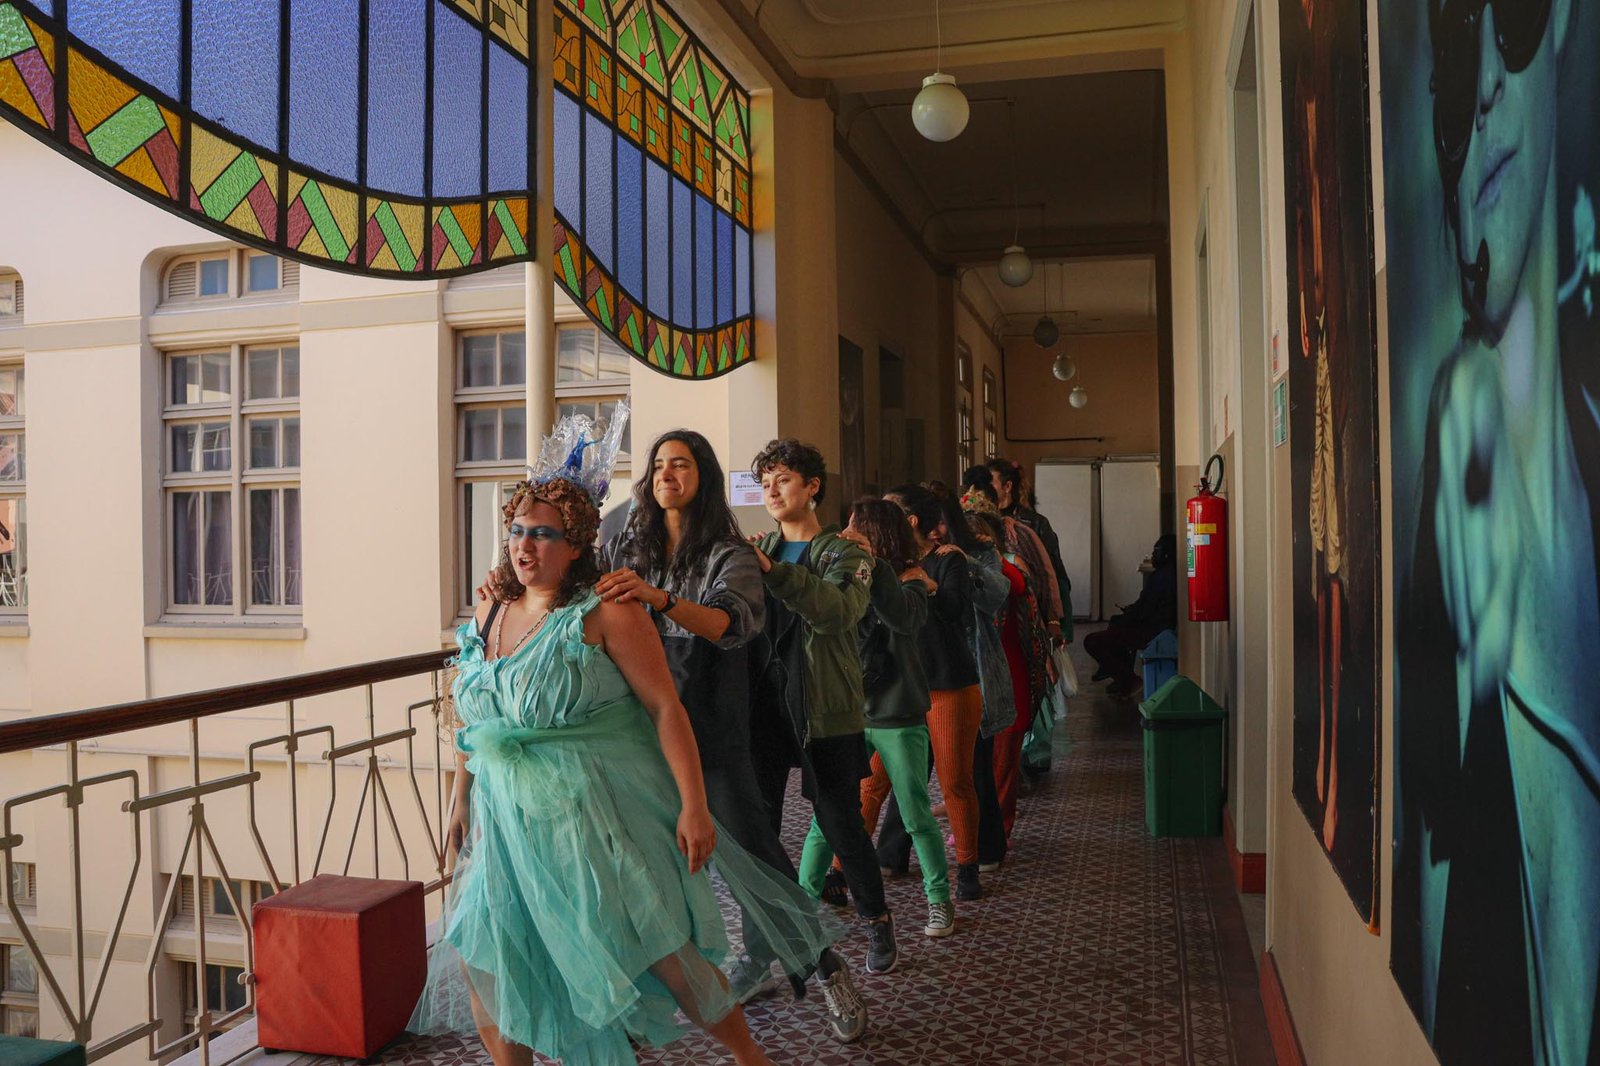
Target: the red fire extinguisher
(1208, 549)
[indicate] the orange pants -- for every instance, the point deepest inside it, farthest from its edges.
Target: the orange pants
(953, 724)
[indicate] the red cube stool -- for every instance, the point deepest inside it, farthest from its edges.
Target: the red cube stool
(339, 964)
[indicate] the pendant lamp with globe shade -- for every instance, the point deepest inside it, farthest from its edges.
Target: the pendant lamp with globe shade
(940, 111)
(1016, 269)
(1045, 331)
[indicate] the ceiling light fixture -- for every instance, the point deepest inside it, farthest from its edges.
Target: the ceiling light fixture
(1079, 396)
(1045, 331)
(1016, 269)
(1063, 368)
(940, 111)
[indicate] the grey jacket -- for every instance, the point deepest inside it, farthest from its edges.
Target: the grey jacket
(713, 680)
(990, 591)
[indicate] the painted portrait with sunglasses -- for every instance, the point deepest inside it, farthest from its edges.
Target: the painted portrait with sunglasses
(1494, 346)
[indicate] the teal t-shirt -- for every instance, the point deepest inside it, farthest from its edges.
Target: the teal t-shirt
(792, 551)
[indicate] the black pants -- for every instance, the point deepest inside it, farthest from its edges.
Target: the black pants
(991, 824)
(834, 767)
(1114, 647)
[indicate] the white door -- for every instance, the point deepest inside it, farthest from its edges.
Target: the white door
(1066, 492)
(1130, 522)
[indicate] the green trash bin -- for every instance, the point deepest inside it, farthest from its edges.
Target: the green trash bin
(1182, 761)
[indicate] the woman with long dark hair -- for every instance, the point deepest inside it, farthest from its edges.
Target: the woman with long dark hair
(956, 714)
(896, 707)
(683, 557)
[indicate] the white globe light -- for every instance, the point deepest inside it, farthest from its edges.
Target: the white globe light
(1046, 332)
(1079, 396)
(940, 110)
(1016, 269)
(1063, 368)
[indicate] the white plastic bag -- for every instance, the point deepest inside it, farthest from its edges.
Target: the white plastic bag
(1066, 679)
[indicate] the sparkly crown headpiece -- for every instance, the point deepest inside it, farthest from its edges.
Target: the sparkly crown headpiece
(579, 451)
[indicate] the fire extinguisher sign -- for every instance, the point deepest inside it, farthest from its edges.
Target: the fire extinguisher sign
(1191, 549)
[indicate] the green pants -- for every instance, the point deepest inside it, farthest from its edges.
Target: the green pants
(900, 762)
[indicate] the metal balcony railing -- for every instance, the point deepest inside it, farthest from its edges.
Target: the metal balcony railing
(78, 993)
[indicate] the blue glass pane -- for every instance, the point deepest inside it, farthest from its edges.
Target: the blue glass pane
(705, 255)
(142, 38)
(741, 285)
(658, 239)
(396, 94)
(568, 159)
(724, 267)
(236, 66)
(630, 218)
(508, 121)
(324, 68)
(599, 195)
(682, 253)
(457, 105)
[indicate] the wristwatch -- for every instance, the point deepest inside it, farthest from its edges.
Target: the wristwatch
(672, 601)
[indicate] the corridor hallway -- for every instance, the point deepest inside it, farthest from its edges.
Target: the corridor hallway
(1095, 946)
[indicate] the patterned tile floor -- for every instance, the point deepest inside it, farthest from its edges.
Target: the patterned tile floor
(1096, 945)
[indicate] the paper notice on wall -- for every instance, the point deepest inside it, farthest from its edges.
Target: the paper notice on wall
(1280, 412)
(744, 489)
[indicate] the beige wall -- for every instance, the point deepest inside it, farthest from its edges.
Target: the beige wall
(1119, 372)
(889, 297)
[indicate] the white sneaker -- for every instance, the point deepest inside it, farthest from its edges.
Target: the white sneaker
(941, 919)
(988, 867)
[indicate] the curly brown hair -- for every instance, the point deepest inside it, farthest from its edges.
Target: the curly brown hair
(580, 521)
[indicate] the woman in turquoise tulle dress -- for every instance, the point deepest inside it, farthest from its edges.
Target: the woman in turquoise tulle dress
(582, 916)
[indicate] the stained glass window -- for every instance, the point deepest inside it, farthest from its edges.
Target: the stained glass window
(394, 137)
(652, 200)
(392, 144)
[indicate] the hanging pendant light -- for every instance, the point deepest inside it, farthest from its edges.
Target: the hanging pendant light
(1079, 396)
(1045, 331)
(1063, 368)
(1016, 269)
(940, 111)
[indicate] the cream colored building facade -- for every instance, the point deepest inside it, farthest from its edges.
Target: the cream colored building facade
(383, 411)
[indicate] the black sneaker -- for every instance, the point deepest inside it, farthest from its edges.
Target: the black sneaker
(847, 1014)
(968, 887)
(835, 892)
(882, 952)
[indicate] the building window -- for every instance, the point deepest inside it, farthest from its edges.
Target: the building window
(991, 415)
(592, 374)
(491, 446)
(224, 993)
(222, 275)
(24, 883)
(963, 366)
(13, 491)
(217, 904)
(10, 295)
(966, 435)
(231, 428)
(19, 992)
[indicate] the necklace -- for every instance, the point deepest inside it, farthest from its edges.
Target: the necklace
(499, 623)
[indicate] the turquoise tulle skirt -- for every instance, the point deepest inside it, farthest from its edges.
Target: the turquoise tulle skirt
(572, 910)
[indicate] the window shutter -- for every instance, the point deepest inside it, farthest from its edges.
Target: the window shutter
(33, 869)
(17, 298)
(185, 894)
(288, 274)
(182, 281)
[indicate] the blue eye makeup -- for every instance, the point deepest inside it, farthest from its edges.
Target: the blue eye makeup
(540, 534)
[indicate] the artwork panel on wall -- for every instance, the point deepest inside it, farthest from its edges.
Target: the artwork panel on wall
(1491, 167)
(1333, 399)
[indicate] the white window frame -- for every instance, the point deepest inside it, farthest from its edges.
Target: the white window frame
(249, 894)
(991, 414)
(599, 389)
(238, 287)
(506, 472)
(238, 481)
(14, 588)
(191, 995)
(18, 1002)
(13, 281)
(28, 873)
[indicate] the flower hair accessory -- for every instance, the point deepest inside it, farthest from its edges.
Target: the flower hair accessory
(579, 451)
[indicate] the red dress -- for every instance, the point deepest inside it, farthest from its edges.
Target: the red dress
(1008, 745)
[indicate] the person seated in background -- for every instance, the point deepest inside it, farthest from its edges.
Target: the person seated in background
(1114, 647)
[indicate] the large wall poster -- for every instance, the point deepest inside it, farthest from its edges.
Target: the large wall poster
(1491, 164)
(1334, 448)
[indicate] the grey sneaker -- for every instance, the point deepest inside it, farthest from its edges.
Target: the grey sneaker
(941, 919)
(847, 1014)
(882, 952)
(751, 979)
